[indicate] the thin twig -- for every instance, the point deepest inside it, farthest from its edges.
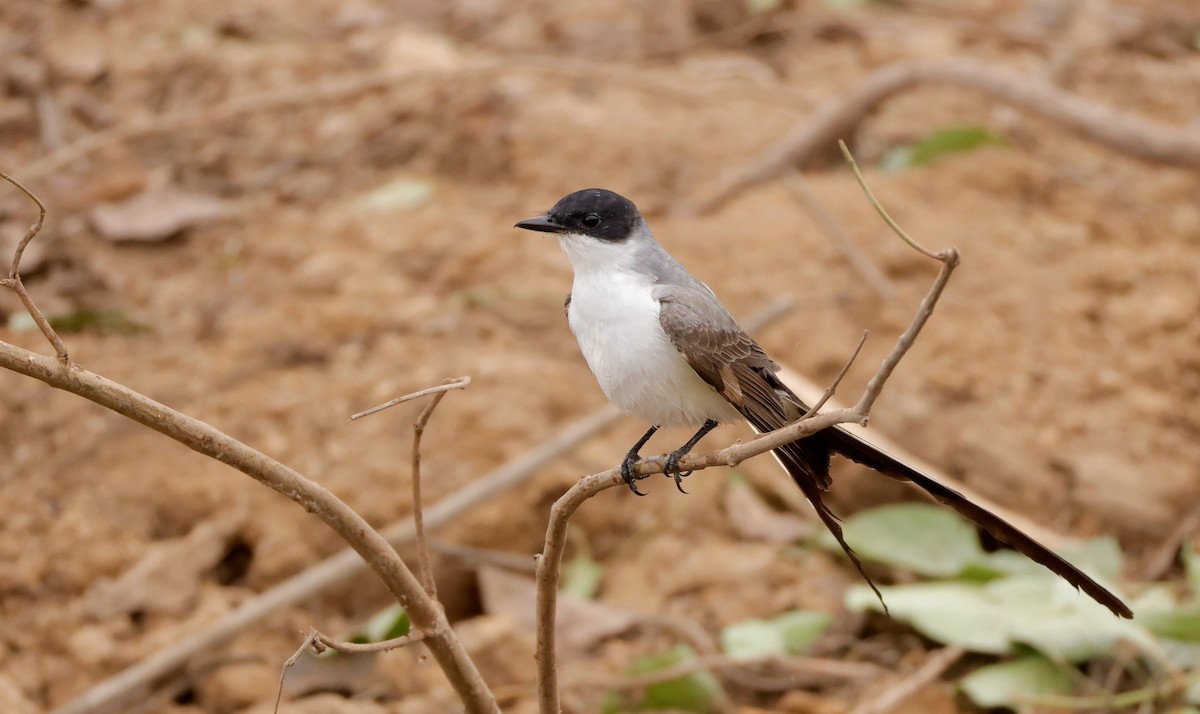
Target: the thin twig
(13, 281)
(832, 229)
(1160, 561)
(117, 690)
(475, 557)
(418, 512)
(715, 662)
(829, 391)
(887, 218)
(320, 642)
(1153, 691)
(910, 684)
(455, 383)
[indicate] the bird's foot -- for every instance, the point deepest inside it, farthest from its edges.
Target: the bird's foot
(672, 470)
(628, 474)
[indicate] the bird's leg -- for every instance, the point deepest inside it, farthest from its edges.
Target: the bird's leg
(632, 457)
(672, 468)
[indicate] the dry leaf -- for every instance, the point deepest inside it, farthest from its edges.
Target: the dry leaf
(156, 214)
(581, 624)
(752, 519)
(168, 577)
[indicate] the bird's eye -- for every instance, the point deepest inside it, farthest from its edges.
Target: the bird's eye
(591, 220)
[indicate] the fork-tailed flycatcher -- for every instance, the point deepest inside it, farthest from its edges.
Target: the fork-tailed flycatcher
(665, 350)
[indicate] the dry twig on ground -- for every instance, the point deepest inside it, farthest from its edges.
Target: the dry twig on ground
(549, 562)
(911, 683)
(841, 116)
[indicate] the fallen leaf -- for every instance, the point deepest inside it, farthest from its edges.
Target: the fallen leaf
(753, 519)
(580, 624)
(167, 578)
(791, 633)
(156, 214)
(1009, 684)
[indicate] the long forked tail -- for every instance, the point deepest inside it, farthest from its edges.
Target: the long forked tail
(855, 449)
(807, 461)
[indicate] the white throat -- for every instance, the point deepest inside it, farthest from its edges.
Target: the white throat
(592, 255)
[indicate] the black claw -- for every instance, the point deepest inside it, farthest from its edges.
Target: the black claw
(671, 470)
(628, 475)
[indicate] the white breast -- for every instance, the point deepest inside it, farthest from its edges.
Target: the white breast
(614, 315)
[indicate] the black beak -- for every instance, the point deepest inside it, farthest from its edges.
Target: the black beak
(542, 224)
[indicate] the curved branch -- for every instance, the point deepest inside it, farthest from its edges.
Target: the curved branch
(352, 528)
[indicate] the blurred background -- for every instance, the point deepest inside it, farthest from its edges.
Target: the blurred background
(271, 216)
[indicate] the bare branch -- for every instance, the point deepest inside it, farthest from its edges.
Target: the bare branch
(453, 383)
(350, 526)
(13, 281)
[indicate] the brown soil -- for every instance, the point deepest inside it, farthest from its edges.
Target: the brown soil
(1059, 376)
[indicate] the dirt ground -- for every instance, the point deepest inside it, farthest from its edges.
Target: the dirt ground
(350, 246)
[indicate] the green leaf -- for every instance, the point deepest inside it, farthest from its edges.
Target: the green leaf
(921, 538)
(1041, 611)
(1098, 556)
(952, 140)
(791, 633)
(105, 322)
(1191, 567)
(1008, 683)
(695, 692)
(581, 577)
(1182, 624)
(387, 624)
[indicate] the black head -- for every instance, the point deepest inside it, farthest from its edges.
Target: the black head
(594, 212)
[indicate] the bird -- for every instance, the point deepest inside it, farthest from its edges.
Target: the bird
(665, 350)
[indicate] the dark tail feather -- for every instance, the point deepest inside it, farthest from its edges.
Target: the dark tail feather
(857, 450)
